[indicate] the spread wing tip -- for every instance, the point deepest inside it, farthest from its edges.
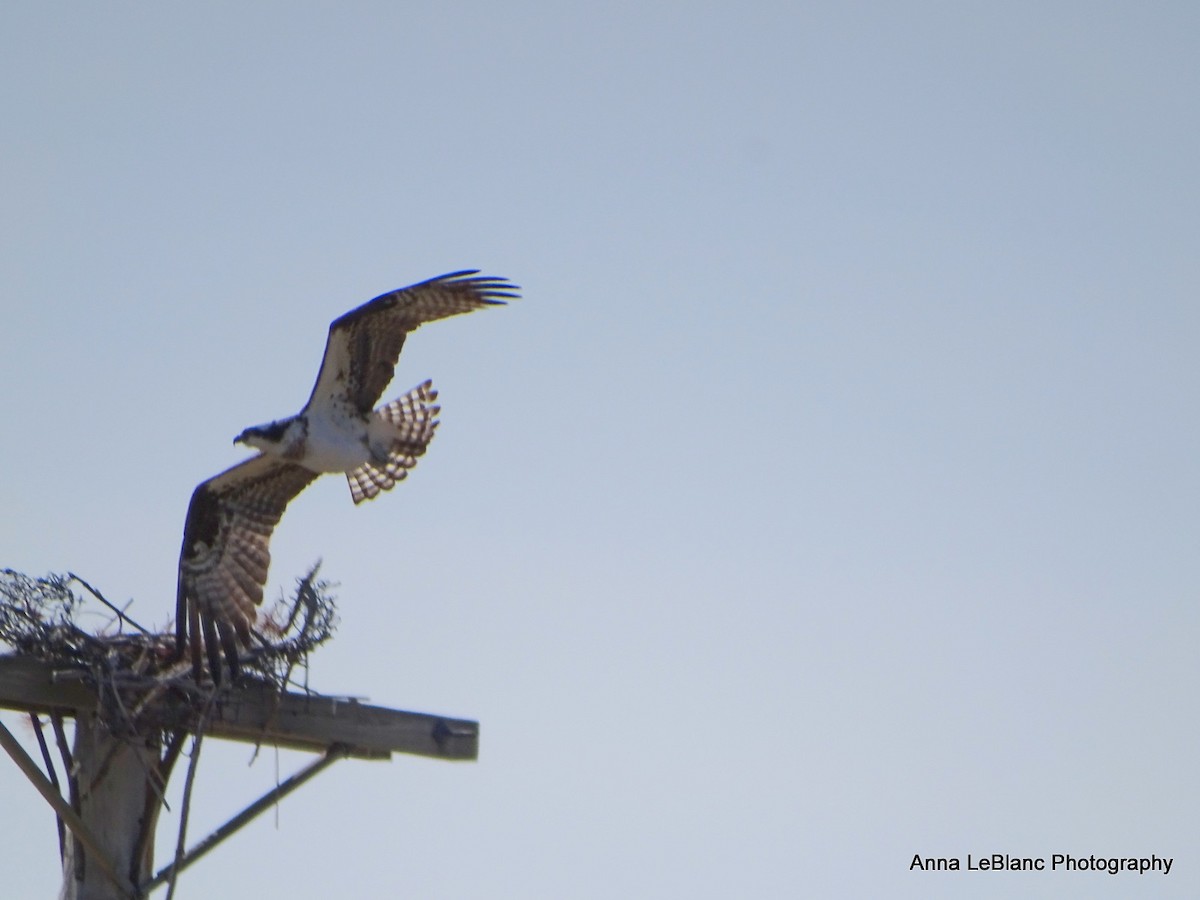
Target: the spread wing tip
(490, 289)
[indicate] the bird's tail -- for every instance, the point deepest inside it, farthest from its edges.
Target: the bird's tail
(405, 427)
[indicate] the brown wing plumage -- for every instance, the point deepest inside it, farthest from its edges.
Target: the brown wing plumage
(364, 344)
(225, 556)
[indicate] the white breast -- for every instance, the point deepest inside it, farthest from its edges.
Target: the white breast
(335, 444)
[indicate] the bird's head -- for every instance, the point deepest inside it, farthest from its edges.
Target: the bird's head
(263, 437)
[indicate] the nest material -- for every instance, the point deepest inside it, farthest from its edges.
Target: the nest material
(126, 664)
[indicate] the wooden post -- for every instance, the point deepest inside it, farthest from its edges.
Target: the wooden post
(116, 796)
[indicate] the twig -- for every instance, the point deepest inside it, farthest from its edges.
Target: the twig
(169, 758)
(144, 848)
(185, 807)
(60, 738)
(332, 754)
(116, 609)
(41, 739)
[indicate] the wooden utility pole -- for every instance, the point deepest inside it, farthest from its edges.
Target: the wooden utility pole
(115, 781)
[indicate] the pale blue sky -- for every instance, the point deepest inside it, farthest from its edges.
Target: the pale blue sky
(831, 496)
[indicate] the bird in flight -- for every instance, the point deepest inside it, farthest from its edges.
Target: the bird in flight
(225, 556)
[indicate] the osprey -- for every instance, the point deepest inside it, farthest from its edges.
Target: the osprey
(224, 560)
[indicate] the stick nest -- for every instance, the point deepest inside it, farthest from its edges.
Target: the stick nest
(127, 664)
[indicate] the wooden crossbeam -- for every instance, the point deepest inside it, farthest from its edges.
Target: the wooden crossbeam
(253, 712)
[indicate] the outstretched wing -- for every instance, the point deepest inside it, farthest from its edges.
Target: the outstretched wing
(225, 556)
(365, 343)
